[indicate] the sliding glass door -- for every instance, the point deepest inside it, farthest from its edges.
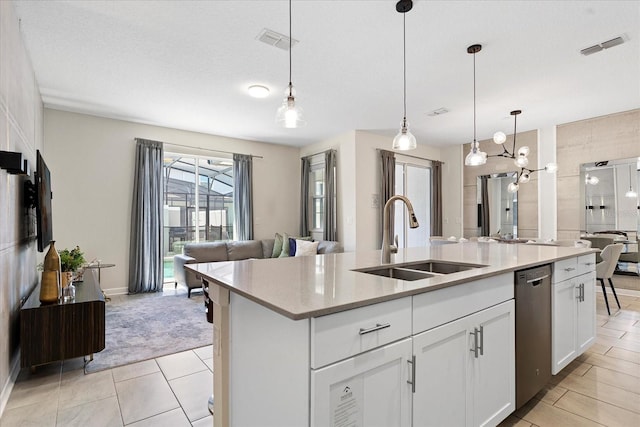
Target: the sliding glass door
(198, 203)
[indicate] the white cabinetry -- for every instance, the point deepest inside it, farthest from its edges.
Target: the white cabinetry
(371, 389)
(472, 362)
(573, 301)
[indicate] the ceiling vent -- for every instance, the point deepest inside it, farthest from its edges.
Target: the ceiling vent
(276, 39)
(604, 45)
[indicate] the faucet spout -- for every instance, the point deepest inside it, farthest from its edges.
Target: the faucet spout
(387, 246)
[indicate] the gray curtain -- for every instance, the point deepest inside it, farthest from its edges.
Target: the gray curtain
(330, 212)
(483, 212)
(305, 169)
(243, 196)
(145, 247)
(436, 205)
(387, 183)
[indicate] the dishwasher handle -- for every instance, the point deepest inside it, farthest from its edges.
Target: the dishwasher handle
(537, 280)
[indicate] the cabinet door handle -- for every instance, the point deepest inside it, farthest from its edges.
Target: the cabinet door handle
(412, 364)
(582, 292)
(475, 349)
(481, 340)
(579, 296)
(378, 326)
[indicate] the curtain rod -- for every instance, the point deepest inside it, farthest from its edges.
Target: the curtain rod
(320, 152)
(209, 149)
(409, 155)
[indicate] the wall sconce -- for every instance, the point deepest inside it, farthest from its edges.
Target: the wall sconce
(602, 207)
(589, 207)
(14, 163)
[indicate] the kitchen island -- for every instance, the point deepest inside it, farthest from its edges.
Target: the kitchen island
(308, 341)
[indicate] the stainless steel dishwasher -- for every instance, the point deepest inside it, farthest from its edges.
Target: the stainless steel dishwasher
(533, 331)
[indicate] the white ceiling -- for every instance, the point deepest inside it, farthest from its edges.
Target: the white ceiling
(187, 64)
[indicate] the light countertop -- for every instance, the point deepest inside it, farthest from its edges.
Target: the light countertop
(312, 286)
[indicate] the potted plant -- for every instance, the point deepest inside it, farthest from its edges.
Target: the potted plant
(70, 262)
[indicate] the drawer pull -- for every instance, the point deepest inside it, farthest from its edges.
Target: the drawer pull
(569, 269)
(378, 326)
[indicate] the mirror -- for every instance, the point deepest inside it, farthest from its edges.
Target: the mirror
(610, 196)
(497, 207)
(611, 203)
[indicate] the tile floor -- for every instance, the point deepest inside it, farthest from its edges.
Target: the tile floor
(167, 391)
(601, 387)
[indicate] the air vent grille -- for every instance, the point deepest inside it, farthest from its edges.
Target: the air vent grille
(276, 39)
(437, 112)
(604, 45)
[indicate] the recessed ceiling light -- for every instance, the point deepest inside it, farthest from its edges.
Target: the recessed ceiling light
(258, 91)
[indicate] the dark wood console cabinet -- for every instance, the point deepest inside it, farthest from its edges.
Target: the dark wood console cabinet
(52, 332)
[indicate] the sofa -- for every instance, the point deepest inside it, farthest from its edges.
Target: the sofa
(229, 251)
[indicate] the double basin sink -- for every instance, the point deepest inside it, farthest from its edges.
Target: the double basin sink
(418, 270)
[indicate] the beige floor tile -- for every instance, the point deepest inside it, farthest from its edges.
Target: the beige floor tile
(42, 414)
(598, 411)
(193, 392)
(551, 393)
(173, 418)
(545, 415)
(40, 387)
(599, 348)
(209, 363)
(205, 352)
(603, 392)
(619, 353)
(618, 379)
(77, 388)
(139, 369)
(144, 397)
(614, 364)
(100, 413)
(627, 325)
(180, 364)
(208, 422)
(609, 332)
(513, 421)
(632, 336)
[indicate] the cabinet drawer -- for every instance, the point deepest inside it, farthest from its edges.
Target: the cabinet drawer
(565, 269)
(586, 263)
(341, 335)
(431, 309)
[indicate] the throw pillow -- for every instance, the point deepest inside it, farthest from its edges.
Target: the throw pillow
(286, 248)
(304, 247)
(277, 246)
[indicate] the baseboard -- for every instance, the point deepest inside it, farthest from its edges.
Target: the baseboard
(116, 291)
(7, 388)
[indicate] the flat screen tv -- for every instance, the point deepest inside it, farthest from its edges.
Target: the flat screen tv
(44, 225)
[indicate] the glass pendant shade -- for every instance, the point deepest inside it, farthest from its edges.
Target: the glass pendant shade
(289, 115)
(513, 187)
(499, 138)
(404, 140)
(523, 151)
(521, 161)
(524, 178)
(475, 156)
(631, 194)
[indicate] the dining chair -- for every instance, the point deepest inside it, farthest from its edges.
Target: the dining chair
(605, 269)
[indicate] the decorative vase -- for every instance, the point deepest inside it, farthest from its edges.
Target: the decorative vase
(49, 287)
(52, 261)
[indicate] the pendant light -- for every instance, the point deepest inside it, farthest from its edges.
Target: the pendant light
(289, 115)
(630, 194)
(475, 156)
(404, 140)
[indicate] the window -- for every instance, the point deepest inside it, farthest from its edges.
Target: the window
(316, 190)
(414, 182)
(195, 213)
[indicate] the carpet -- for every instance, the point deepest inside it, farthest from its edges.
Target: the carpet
(146, 326)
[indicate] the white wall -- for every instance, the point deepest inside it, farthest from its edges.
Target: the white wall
(92, 165)
(20, 131)
(452, 191)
